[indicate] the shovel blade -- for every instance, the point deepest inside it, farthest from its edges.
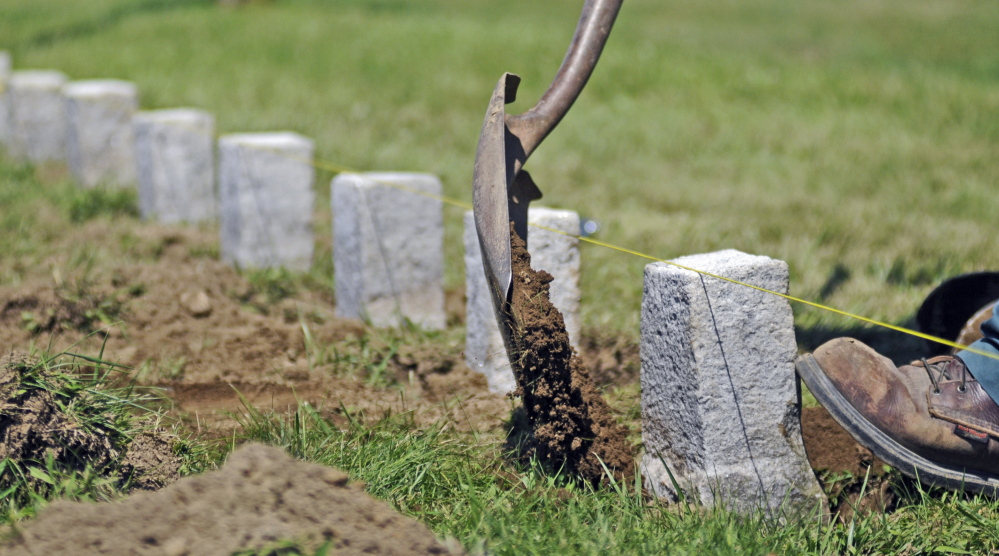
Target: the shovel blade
(491, 179)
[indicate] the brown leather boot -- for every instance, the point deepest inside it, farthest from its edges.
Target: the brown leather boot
(931, 420)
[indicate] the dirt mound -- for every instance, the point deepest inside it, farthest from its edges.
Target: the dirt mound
(60, 309)
(259, 497)
(50, 415)
(33, 426)
(571, 424)
(150, 463)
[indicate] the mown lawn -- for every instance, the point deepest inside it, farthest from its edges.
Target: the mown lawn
(856, 140)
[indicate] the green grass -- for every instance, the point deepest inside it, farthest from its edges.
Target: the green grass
(465, 488)
(462, 487)
(856, 140)
(840, 136)
(86, 450)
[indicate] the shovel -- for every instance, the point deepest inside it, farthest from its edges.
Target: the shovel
(502, 191)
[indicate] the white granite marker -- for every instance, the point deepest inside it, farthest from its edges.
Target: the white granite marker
(388, 248)
(720, 399)
(100, 144)
(175, 160)
(555, 253)
(38, 116)
(5, 67)
(266, 198)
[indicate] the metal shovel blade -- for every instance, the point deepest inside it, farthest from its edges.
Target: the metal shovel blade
(502, 191)
(491, 177)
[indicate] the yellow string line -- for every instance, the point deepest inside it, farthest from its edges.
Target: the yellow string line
(455, 202)
(855, 316)
(338, 168)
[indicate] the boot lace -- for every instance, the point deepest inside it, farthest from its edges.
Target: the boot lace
(942, 369)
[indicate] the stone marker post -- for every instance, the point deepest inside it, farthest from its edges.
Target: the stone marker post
(38, 116)
(175, 160)
(100, 144)
(5, 67)
(266, 198)
(720, 400)
(558, 254)
(388, 248)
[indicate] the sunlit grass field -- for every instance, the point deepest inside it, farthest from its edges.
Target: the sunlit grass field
(856, 140)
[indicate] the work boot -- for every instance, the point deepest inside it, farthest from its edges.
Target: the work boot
(931, 420)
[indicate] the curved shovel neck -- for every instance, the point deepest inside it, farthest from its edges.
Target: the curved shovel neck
(581, 58)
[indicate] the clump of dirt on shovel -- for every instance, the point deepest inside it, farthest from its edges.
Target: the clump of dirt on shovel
(572, 427)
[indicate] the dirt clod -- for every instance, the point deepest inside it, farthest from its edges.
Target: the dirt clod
(37, 427)
(33, 426)
(259, 497)
(196, 302)
(571, 424)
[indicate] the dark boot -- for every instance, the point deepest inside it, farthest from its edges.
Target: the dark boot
(931, 420)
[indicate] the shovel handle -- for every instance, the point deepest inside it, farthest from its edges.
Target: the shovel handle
(588, 42)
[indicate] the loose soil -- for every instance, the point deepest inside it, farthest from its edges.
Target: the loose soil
(32, 425)
(205, 335)
(261, 496)
(209, 339)
(571, 425)
(35, 427)
(853, 477)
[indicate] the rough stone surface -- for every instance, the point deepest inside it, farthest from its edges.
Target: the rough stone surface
(100, 145)
(38, 116)
(266, 200)
(555, 253)
(175, 159)
(388, 248)
(5, 66)
(720, 399)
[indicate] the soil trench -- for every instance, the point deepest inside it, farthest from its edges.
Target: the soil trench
(572, 426)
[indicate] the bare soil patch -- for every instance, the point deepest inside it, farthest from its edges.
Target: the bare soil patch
(571, 424)
(213, 340)
(206, 335)
(611, 359)
(830, 448)
(259, 497)
(854, 478)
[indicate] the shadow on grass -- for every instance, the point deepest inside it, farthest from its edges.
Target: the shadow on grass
(901, 348)
(108, 19)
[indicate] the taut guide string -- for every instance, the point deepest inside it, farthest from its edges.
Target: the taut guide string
(338, 168)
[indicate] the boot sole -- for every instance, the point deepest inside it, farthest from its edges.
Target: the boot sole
(882, 445)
